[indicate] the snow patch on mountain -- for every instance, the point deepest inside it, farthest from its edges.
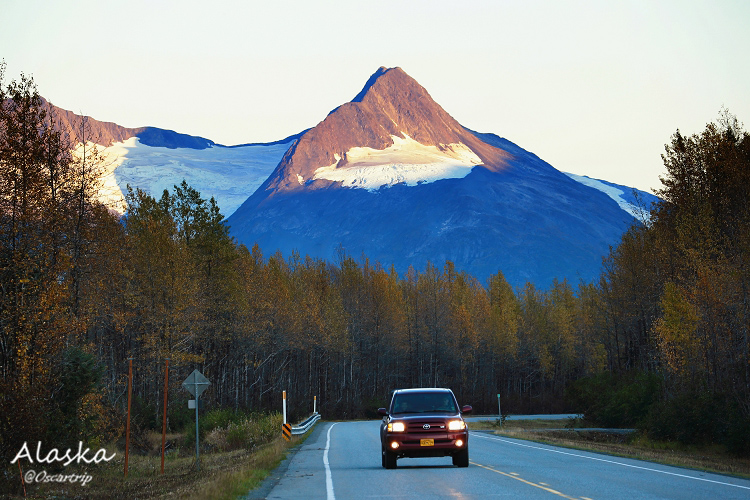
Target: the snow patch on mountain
(613, 192)
(229, 174)
(108, 160)
(405, 161)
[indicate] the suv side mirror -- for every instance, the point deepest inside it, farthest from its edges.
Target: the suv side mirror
(382, 412)
(466, 409)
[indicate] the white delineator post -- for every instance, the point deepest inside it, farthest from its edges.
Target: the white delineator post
(315, 404)
(284, 404)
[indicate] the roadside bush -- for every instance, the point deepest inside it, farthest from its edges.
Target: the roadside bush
(76, 402)
(208, 421)
(253, 432)
(611, 400)
(370, 405)
(227, 430)
(178, 415)
(220, 418)
(699, 417)
(636, 400)
(688, 418)
(143, 413)
(738, 437)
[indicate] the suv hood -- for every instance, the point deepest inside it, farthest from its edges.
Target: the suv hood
(422, 416)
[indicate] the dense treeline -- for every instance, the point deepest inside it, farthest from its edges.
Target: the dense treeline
(347, 332)
(55, 244)
(676, 295)
(82, 290)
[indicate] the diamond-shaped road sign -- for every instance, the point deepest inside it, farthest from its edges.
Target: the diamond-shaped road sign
(196, 383)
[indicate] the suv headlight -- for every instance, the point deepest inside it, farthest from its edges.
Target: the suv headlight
(456, 425)
(396, 427)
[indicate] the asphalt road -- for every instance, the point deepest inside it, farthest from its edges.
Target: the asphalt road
(342, 460)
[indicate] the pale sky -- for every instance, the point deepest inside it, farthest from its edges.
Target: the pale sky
(592, 87)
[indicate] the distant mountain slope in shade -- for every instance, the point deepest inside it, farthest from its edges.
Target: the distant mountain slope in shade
(453, 194)
(635, 202)
(530, 221)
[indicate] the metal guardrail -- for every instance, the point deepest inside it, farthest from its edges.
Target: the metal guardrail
(306, 425)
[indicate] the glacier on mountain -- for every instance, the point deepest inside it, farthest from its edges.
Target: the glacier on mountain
(229, 174)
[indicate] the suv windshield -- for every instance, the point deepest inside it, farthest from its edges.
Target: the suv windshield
(424, 402)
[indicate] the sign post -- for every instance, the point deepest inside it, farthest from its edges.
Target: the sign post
(499, 411)
(195, 384)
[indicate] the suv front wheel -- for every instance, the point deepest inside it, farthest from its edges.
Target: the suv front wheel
(461, 459)
(389, 459)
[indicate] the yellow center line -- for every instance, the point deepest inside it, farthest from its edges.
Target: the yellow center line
(517, 478)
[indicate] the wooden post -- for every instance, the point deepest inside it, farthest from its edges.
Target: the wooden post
(20, 470)
(164, 419)
(127, 424)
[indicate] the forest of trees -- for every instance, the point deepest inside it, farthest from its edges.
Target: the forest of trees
(664, 332)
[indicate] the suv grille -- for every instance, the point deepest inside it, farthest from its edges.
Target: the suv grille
(435, 425)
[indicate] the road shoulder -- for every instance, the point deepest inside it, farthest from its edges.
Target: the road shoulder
(269, 483)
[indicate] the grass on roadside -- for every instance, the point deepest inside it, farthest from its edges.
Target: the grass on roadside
(222, 475)
(571, 434)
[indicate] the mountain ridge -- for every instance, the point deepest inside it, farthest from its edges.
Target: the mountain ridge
(391, 104)
(70, 124)
(505, 210)
(406, 185)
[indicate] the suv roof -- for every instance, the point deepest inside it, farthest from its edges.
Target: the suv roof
(420, 389)
(416, 389)
(424, 389)
(423, 400)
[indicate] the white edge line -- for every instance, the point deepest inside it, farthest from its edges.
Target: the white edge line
(329, 478)
(611, 462)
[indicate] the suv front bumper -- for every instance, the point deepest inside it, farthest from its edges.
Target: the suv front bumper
(426, 444)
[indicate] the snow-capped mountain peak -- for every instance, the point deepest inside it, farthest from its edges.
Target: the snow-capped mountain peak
(390, 175)
(391, 127)
(393, 176)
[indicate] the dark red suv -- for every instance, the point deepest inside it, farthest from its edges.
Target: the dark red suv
(424, 423)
